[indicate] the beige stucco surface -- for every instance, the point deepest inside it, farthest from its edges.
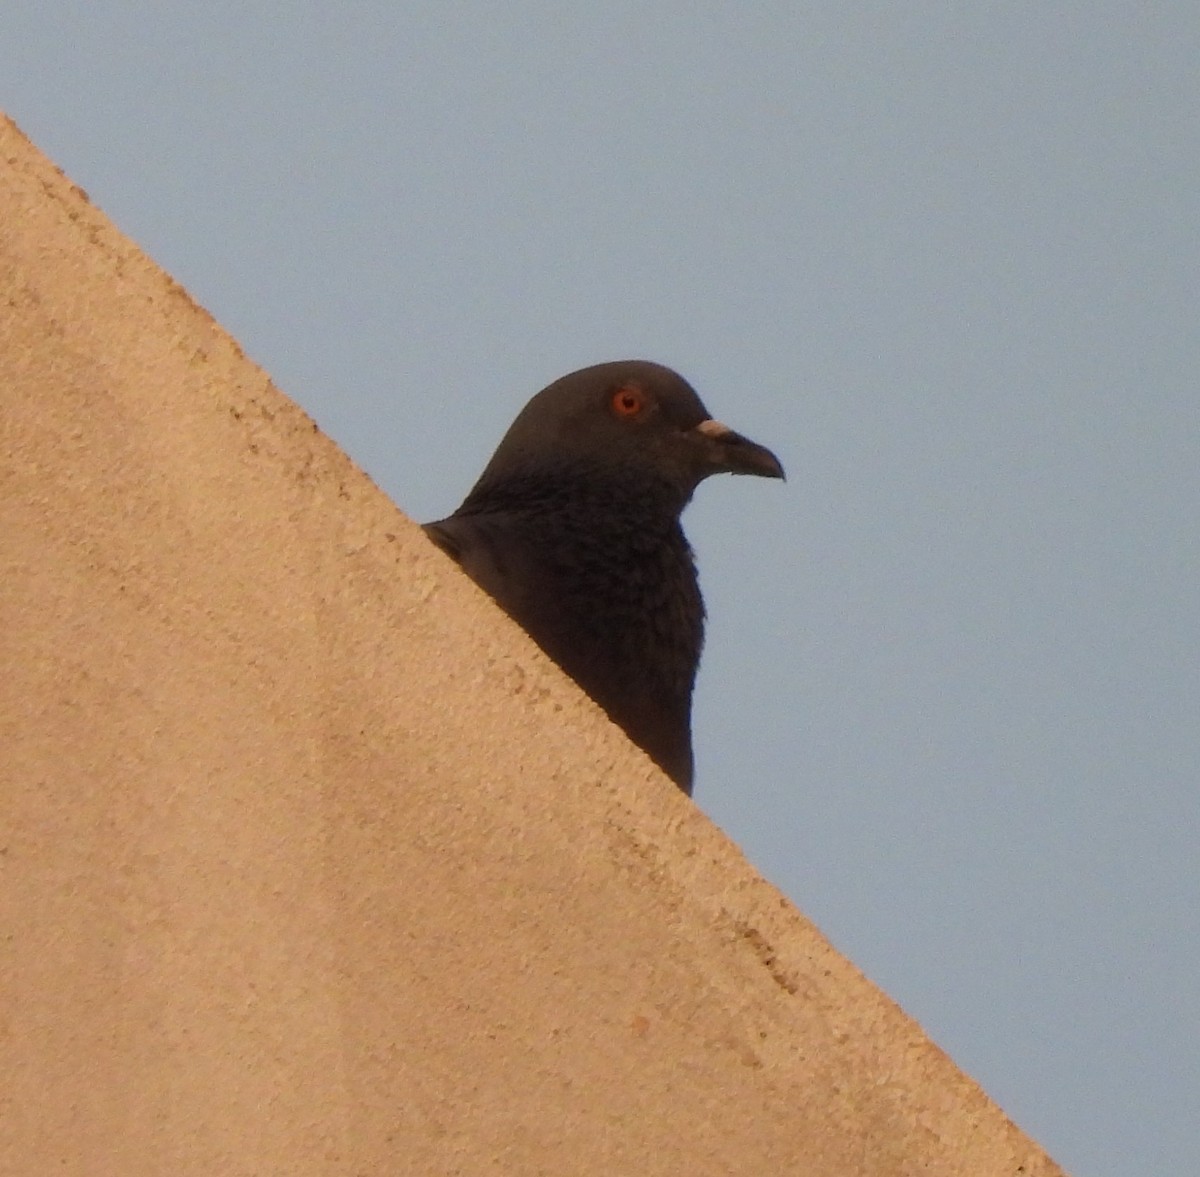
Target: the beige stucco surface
(311, 863)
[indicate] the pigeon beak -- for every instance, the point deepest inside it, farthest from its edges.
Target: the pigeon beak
(731, 453)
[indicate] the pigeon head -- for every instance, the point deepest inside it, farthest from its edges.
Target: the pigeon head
(633, 420)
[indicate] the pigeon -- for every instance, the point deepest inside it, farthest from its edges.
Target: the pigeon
(573, 528)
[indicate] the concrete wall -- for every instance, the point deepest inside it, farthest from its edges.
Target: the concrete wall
(311, 863)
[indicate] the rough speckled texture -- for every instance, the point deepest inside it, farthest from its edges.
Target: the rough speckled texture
(311, 863)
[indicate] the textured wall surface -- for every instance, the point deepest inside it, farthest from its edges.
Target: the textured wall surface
(311, 863)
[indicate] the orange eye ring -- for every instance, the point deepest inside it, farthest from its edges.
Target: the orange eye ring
(628, 401)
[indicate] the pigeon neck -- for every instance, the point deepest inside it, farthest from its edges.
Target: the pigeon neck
(612, 492)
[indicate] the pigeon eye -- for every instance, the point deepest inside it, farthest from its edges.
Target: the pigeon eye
(628, 401)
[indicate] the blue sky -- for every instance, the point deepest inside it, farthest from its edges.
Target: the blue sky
(944, 260)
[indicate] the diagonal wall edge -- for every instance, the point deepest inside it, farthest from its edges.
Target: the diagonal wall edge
(310, 862)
